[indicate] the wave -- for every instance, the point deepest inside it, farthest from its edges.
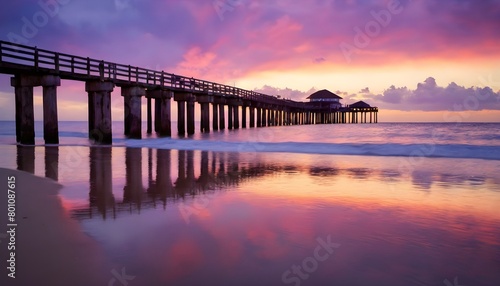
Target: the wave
(368, 149)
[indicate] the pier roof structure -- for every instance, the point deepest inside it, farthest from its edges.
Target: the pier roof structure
(323, 94)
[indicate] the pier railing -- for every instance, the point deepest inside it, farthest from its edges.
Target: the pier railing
(17, 56)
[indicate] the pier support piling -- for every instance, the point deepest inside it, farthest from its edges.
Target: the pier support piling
(230, 117)
(204, 101)
(132, 110)
(243, 116)
(185, 104)
(163, 110)
(252, 116)
(236, 117)
(181, 117)
(99, 94)
(149, 117)
(50, 121)
(25, 120)
(190, 117)
(259, 117)
(222, 119)
(215, 116)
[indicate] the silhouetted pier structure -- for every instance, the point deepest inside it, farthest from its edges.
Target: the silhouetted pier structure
(33, 67)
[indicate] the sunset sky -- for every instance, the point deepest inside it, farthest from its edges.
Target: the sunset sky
(416, 60)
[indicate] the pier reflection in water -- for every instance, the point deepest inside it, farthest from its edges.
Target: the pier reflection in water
(266, 212)
(178, 174)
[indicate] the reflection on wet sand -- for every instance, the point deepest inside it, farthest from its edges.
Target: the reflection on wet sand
(400, 236)
(100, 182)
(52, 162)
(174, 175)
(26, 158)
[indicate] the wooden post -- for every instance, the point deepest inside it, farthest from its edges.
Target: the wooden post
(204, 100)
(243, 116)
(162, 98)
(100, 105)
(205, 117)
(157, 119)
(215, 116)
(230, 116)
(181, 117)
(222, 119)
(264, 117)
(25, 122)
(149, 116)
(236, 116)
(185, 104)
(50, 121)
(132, 110)
(27, 119)
(259, 117)
(165, 114)
(252, 117)
(190, 117)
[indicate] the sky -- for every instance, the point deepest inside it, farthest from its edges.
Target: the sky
(417, 60)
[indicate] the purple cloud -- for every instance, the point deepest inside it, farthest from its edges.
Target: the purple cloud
(292, 94)
(429, 96)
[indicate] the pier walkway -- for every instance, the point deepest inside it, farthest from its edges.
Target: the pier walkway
(32, 67)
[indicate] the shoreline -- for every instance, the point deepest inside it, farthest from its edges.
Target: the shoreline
(50, 247)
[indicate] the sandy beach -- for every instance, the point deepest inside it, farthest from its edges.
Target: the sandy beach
(50, 249)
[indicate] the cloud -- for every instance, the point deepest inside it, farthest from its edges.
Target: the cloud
(429, 96)
(319, 60)
(365, 90)
(257, 36)
(292, 94)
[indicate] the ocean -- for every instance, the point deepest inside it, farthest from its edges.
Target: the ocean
(343, 204)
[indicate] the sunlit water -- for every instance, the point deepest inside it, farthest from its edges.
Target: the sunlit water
(212, 217)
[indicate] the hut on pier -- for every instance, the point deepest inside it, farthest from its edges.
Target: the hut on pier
(325, 98)
(360, 105)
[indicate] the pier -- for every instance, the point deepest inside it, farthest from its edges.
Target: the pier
(32, 67)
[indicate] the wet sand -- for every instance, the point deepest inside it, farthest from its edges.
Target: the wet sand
(51, 249)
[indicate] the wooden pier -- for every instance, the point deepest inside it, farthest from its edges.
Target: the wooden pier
(33, 67)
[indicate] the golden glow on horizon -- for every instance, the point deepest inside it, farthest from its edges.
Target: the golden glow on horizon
(353, 78)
